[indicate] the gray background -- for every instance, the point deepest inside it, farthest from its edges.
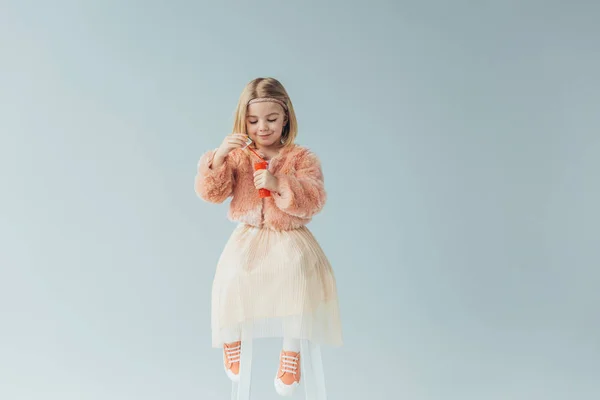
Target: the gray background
(460, 143)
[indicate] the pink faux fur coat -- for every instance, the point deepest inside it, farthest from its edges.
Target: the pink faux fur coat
(298, 170)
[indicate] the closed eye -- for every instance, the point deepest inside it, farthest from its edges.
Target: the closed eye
(269, 120)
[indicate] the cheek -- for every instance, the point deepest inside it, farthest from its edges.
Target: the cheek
(278, 127)
(251, 129)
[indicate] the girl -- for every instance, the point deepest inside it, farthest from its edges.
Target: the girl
(272, 278)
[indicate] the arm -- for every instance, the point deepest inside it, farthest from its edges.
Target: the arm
(303, 193)
(214, 183)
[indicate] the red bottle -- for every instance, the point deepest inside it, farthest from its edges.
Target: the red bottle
(262, 193)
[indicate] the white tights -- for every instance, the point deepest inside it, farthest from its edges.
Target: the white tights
(289, 344)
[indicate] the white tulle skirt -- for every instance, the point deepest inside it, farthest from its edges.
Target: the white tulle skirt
(274, 284)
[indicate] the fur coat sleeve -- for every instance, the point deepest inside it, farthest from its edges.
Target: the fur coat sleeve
(302, 193)
(215, 185)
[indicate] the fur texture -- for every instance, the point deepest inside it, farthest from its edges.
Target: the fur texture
(300, 178)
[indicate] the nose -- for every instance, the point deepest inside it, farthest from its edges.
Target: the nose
(263, 127)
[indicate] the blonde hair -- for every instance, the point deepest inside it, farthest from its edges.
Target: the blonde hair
(267, 88)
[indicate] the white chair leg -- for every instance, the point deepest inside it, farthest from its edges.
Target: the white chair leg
(241, 390)
(311, 365)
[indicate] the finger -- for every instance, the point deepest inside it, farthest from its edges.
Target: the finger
(236, 139)
(237, 142)
(241, 136)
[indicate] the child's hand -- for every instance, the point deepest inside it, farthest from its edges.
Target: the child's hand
(263, 179)
(230, 143)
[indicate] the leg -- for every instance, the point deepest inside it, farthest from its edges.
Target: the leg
(232, 349)
(291, 344)
(288, 374)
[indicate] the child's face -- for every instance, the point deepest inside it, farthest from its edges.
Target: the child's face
(265, 122)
